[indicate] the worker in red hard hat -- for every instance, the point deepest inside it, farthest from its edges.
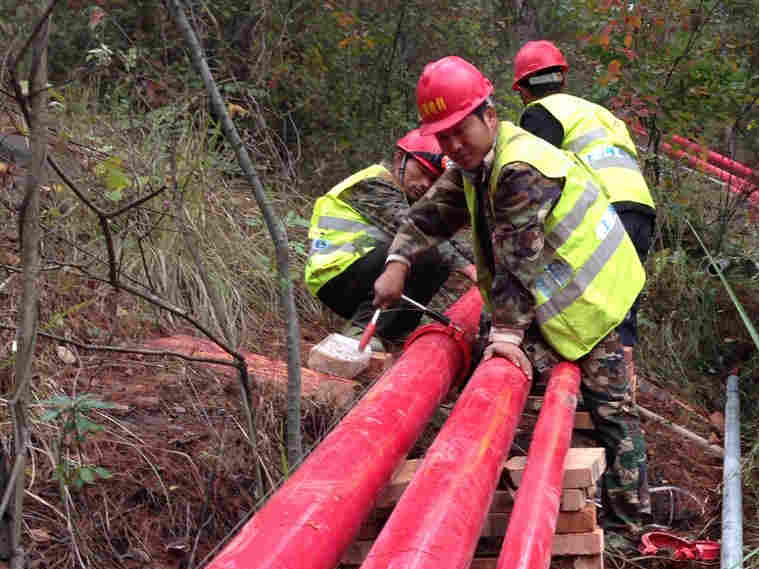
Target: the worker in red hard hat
(598, 137)
(556, 269)
(352, 226)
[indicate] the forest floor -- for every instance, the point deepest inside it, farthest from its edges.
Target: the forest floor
(181, 467)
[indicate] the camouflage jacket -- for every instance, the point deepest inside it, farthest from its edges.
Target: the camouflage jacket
(515, 215)
(381, 202)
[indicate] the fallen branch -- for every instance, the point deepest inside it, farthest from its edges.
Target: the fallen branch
(714, 450)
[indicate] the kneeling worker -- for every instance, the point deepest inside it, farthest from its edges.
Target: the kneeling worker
(352, 227)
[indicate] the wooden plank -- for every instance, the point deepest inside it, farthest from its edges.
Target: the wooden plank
(583, 467)
(572, 499)
(582, 418)
(588, 543)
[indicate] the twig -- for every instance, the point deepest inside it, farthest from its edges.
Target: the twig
(127, 350)
(714, 450)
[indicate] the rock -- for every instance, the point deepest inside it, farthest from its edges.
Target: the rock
(339, 355)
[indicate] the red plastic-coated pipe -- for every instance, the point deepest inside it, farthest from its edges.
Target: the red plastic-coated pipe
(438, 520)
(310, 521)
(528, 543)
(735, 184)
(719, 160)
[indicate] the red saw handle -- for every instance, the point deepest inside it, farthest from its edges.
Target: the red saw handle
(369, 331)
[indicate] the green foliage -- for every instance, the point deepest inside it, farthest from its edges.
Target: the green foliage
(71, 416)
(681, 68)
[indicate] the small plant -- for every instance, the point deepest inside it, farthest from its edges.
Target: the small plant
(71, 415)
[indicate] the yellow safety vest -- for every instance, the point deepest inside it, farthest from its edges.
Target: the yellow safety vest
(339, 235)
(590, 272)
(603, 142)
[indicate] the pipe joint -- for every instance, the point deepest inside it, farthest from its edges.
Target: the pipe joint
(462, 338)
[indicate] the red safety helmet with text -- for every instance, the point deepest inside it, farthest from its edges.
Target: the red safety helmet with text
(424, 149)
(449, 89)
(535, 56)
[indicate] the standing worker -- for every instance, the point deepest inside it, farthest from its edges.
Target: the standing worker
(557, 270)
(599, 138)
(351, 229)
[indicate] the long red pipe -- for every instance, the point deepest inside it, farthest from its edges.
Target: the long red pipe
(438, 520)
(723, 162)
(528, 543)
(310, 521)
(735, 184)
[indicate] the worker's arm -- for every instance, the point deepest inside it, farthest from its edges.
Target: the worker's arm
(521, 202)
(434, 218)
(537, 120)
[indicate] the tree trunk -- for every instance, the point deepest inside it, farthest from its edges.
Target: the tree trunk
(29, 237)
(274, 225)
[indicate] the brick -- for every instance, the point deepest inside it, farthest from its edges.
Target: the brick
(563, 562)
(581, 521)
(398, 483)
(588, 543)
(503, 500)
(583, 467)
(578, 562)
(573, 499)
(339, 355)
(584, 544)
(589, 561)
(582, 418)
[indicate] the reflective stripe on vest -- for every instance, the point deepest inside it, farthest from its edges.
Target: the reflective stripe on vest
(602, 141)
(339, 235)
(584, 276)
(591, 273)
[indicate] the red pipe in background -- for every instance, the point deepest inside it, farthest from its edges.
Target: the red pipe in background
(736, 185)
(528, 543)
(315, 515)
(719, 160)
(437, 522)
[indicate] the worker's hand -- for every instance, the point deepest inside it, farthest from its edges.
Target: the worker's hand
(469, 271)
(389, 286)
(512, 352)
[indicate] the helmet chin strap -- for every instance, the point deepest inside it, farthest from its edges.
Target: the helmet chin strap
(402, 170)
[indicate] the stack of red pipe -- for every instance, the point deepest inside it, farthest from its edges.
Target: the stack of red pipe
(739, 177)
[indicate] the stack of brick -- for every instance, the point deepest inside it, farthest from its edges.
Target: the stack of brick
(578, 542)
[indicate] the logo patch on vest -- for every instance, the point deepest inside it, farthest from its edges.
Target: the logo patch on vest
(319, 244)
(555, 276)
(606, 223)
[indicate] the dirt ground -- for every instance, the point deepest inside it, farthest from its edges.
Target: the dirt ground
(181, 469)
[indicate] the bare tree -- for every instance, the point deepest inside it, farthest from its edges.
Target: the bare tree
(273, 222)
(33, 95)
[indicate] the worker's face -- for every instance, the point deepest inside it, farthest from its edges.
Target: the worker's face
(468, 141)
(417, 179)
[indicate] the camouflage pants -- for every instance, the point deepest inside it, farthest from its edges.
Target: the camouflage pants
(606, 391)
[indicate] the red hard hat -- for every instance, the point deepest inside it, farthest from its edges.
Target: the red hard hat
(535, 56)
(448, 90)
(424, 149)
